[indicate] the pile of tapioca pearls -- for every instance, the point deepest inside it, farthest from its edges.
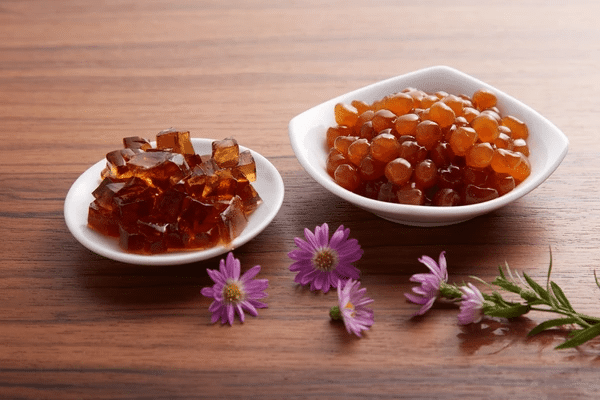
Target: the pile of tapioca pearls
(420, 148)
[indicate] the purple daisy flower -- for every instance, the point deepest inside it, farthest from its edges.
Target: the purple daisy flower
(427, 293)
(323, 262)
(234, 292)
(353, 307)
(471, 305)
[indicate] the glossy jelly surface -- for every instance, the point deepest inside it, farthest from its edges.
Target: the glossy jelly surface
(168, 198)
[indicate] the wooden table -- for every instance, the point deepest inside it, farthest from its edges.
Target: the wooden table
(77, 76)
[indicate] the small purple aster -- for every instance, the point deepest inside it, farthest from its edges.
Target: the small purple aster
(353, 307)
(427, 293)
(232, 292)
(471, 305)
(323, 262)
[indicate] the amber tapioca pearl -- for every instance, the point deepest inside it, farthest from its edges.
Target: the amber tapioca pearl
(517, 127)
(335, 131)
(387, 192)
(385, 147)
(371, 169)
(342, 143)
(503, 183)
(462, 139)
(446, 197)
(370, 189)
(469, 113)
(347, 177)
(383, 119)
(450, 177)
(399, 103)
(442, 155)
(364, 117)
(417, 96)
(360, 106)
(425, 174)
(475, 194)
(521, 146)
(428, 134)
(410, 194)
(486, 127)
(334, 159)
(512, 163)
(345, 114)
(479, 155)
(442, 114)
(484, 99)
(503, 141)
(406, 124)
(366, 131)
(455, 103)
(358, 150)
(413, 152)
(398, 171)
(477, 176)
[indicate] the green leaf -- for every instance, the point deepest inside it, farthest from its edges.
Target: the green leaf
(581, 337)
(596, 278)
(560, 296)
(537, 288)
(511, 311)
(549, 270)
(507, 285)
(551, 324)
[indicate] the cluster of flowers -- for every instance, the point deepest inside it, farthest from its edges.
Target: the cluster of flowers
(320, 261)
(324, 263)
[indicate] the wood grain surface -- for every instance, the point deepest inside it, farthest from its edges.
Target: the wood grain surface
(78, 76)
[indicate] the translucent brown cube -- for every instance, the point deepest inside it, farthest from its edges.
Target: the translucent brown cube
(226, 152)
(168, 198)
(176, 141)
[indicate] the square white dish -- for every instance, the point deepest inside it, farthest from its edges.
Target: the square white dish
(548, 145)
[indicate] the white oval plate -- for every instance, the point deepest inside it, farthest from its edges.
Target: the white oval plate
(548, 145)
(268, 184)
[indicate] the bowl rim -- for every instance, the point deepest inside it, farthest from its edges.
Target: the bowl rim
(417, 212)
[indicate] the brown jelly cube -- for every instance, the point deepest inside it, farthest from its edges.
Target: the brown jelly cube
(136, 143)
(116, 163)
(194, 213)
(154, 202)
(174, 140)
(206, 238)
(135, 201)
(246, 165)
(131, 240)
(194, 183)
(169, 205)
(222, 185)
(175, 237)
(106, 192)
(160, 168)
(226, 152)
(234, 220)
(249, 196)
(102, 220)
(154, 234)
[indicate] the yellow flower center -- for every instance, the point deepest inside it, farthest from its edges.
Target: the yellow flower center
(350, 306)
(232, 293)
(325, 259)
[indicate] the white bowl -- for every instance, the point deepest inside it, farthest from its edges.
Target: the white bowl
(548, 145)
(268, 184)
